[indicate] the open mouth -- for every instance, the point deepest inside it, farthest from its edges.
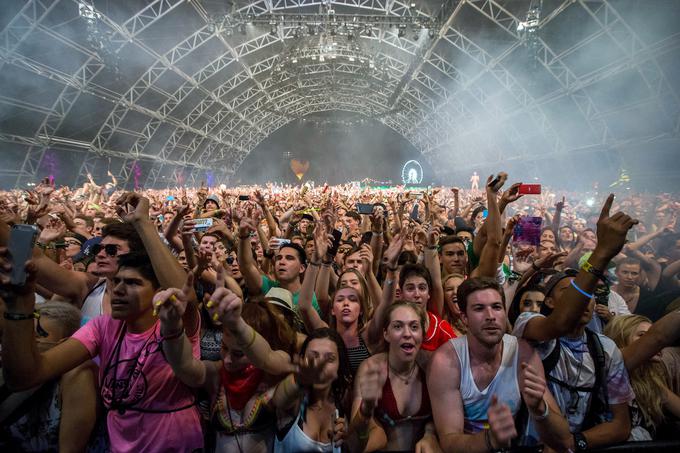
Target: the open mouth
(408, 347)
(346, 311)
(118, 303)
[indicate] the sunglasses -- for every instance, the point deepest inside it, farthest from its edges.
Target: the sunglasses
(230, 260)
(109, 249)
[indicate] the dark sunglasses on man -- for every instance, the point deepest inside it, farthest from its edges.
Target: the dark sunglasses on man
(109, 249)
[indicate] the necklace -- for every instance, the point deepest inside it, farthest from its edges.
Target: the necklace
(403, 378)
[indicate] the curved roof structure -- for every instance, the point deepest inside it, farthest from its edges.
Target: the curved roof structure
(198, 84)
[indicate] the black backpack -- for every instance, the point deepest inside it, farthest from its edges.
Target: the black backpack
(599, 404)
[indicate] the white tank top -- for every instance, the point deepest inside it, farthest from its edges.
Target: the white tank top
(93, 305)
(297, 441)
(504, 385)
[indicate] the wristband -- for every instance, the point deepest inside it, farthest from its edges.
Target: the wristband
(243, 238)
(20, 316)
(393, 269)
(314, 263)
(591, 269)
(544, 415)
(173, 336)
(252, 339)
(573, 283)
(327, 263)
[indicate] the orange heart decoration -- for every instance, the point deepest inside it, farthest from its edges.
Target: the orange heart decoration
(299, 167)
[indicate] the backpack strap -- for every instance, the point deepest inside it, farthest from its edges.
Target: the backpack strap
(596, 351)
(550, 361)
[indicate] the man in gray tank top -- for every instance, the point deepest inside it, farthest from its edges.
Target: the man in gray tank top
(482, 379)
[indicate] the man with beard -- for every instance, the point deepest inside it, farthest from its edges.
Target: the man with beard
(507, 369)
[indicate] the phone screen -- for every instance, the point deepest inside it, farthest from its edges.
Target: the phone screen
(528, 231)
(21, 241)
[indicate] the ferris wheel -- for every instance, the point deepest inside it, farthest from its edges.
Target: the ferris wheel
(412, 172)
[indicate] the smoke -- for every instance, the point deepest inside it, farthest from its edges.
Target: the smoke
(593, 103)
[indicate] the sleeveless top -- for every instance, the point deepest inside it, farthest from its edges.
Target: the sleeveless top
(93, 305)
(505, 385)
(296, 440)
(357, 354)
(388, 412)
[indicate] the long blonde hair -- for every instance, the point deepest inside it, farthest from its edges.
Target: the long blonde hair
(649, 379)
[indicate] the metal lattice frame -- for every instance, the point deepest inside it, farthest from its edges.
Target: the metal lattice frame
(255, 101)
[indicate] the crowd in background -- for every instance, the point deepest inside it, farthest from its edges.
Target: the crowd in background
(339, 318)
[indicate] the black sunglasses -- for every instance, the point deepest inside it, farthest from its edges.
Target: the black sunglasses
(230, 260)
(109, 249)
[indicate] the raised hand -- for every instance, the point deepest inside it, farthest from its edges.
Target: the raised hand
(171, 304)
(132, 207)
(550, 260)
(223, 305)
(391, 255)
(501, 424)
(496, 186)
(370, 385)
(532, 388)
(612, 230)
(322, 242)
(512, 194)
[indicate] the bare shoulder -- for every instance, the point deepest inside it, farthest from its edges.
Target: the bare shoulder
(80, 374)
(444, 362)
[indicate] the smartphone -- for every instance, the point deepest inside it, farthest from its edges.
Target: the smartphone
(528, 231)
(530, 189)
(337, 236)
(414, 213)
(244, 197)
(365, 208)
(282, 241)
(21, 242)
(366, 238)
(485, 214)
(201, 225)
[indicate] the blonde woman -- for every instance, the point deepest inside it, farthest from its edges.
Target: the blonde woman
(653, 399)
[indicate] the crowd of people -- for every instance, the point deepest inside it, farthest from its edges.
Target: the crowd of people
(338, 318)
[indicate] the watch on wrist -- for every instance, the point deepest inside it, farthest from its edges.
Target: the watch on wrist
(580, 442)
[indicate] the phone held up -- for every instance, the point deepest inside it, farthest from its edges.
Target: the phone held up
(21, 242)
(529, 189)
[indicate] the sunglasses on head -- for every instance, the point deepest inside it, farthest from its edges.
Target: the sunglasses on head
(109, 249)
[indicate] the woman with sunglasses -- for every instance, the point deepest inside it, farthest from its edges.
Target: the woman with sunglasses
(60, 414)
(241, 410)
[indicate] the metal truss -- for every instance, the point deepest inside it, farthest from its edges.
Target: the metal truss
(79, 80)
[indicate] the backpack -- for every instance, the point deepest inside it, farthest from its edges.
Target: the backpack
(599, 404)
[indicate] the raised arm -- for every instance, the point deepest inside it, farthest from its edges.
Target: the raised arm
(170, 305)
(488, 260)
(24, 367)
(226, 306)
(388, 292)
(663, 333)
(308, 314)
(611, 235)
(134, 208)
(436, 304)
(245, 256)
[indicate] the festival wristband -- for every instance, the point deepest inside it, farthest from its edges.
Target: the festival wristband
(575, 286)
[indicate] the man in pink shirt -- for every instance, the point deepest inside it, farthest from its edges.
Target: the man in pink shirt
(149, 409)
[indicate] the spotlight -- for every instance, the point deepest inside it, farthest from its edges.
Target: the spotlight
(211, 27)
(432, 33)
(590, 202)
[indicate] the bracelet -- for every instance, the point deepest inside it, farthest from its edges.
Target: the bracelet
(252, 339)
(327, 263)
(243, 238)
(173, 336)
(596, 272)
(544, 415)
(393, 269)
(573, 283)
(314, 263)
(20, 316)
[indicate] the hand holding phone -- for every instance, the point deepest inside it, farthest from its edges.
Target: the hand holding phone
(529, 189)
(21, 242)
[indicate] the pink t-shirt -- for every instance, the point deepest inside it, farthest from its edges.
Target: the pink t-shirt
(143, 381)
